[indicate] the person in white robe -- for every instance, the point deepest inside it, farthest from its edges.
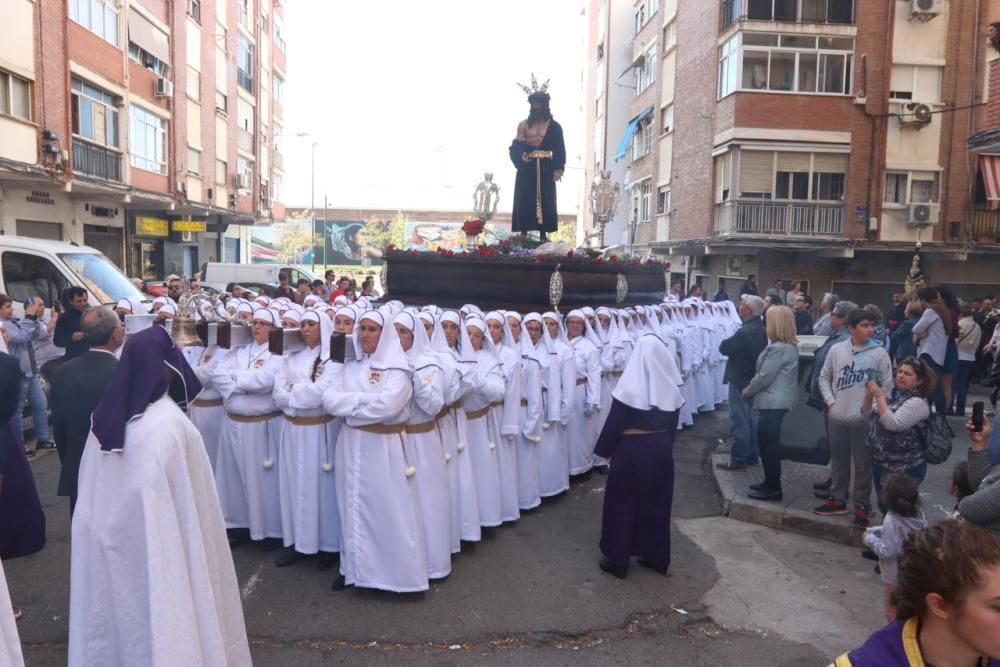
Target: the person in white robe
(207, 412)
(307, 486)
(613, 358)
(152, 581)
(504, 416)
(553, 453)
(247, 469)
(10, 643)
(488, 388)
(423, 442)
(459, 379)
(383, 545)
(568, 376)
(582, 428)
(529, 493)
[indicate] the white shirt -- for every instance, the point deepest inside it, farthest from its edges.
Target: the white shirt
(935, 343)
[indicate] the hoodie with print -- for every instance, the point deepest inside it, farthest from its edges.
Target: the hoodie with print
(845, 373)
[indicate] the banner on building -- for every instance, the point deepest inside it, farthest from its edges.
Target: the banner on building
(309, 242)
(188, 226)
(145, 226)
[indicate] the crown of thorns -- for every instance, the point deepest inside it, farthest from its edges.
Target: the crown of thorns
(535, 89)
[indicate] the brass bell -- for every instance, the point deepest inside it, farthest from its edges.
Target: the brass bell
(183, 332)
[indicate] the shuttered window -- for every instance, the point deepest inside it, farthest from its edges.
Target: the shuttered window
(756, 174)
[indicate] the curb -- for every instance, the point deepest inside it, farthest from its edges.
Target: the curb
(791, 514)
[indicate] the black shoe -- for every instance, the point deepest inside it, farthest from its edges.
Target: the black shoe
(290, 557)
(326, 561)
(44, 444)
(823, 495)
(652, 566)
(341, 584)
(759, 487)
(869, 554)
(611, 568)
(878, 570)
(237, 537)
(732, 467)
(601, 470)
(823, 486)
(766, 494)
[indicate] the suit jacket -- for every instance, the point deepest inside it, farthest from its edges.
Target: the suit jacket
(77, 387)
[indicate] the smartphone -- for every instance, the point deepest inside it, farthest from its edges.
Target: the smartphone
(977, 416)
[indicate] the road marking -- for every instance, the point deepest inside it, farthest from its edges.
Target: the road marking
(251, 584)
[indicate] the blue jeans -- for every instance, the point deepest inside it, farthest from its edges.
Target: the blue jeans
(938, 369)
(961, 385)
(879, 474)
(743, 427)
(32, 387)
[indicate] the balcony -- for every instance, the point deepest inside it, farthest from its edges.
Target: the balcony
(245, 141)
(791, 219)
(985, 225)
(244, 79)
(839, 12)
(97, 161)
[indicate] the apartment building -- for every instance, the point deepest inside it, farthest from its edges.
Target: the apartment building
(149, 129)
(808, 140)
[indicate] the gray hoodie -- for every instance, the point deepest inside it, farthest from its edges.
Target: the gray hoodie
(845, 373)
(887, 541)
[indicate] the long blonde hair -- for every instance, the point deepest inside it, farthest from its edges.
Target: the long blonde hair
(781, 325)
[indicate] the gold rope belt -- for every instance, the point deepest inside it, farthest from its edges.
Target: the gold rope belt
(496, 404)
(309, 421)
(206, 403)
(639, 431)
(476, 414)
(616, 374)
(426, 427)
(253, 419)
(382, 429)
(581, 381)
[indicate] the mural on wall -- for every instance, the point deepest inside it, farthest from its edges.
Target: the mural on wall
(431, 236)
(302, 241)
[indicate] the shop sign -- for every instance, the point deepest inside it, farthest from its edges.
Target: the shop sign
(188, 225)
(152, 226)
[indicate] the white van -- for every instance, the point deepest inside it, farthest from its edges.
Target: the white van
(37, 267)
(220, 275)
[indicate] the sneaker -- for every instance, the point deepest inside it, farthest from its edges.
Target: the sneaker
(860, 516)
(45, 444)
(832, 507)
(823, 495)
(823, 486)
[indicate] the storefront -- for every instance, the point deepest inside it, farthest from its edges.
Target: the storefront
(146, 249)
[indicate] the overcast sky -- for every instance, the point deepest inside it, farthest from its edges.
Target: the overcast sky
(411, 101)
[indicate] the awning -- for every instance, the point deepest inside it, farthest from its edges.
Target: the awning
(989, 166)
(629, 131)
(148, 37)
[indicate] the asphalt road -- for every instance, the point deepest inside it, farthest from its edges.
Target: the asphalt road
(532, 594)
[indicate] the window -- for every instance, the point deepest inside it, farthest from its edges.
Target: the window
(221, 102)
(911, 187)
(669, 35)
(787, 63)
(220, 172)
(723, 177)
(276, 187)
(193, 84)
(642, 140)
(663, 200)
(600, 52)
(800, 11)
(645, 201)
(828, 186)
(26, 276)
(194, 9)
(141, 57)
(98, 16)
(15, 95)
(279, 41)
(639, 18)
(194, 161)
(244, 169)
(244, 64)
(921, 83)
(667, 118)
(633, 204)
(95, 114)
(792, 176)
(148, 141)
(279, 91)
(645, 71)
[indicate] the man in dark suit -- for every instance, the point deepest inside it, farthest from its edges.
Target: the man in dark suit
(742, 350)
(77, 387)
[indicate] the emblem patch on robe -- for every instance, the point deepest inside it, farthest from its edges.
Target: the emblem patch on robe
(374, 377)
(258, 364)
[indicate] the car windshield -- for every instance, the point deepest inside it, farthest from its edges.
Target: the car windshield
(101, 277)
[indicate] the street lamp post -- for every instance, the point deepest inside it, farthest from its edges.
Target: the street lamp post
(604, 197)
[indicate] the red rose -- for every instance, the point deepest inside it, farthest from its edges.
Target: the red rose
(541, 258)
(569, 254)
(613, 258)
(599, 261)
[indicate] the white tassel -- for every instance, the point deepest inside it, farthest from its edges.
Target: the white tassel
(327, 467)
(537, 439)
(546, 426)
(493, 446)
(410, 471)
(447, 457)
(268, 464)
(461, 446)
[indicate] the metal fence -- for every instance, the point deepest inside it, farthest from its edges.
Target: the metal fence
(779, 219)
(96, 161)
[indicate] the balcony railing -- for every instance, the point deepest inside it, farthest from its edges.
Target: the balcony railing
(244, 79)
(986, 225)
(779, 219)
(839, 12)
(96, 161)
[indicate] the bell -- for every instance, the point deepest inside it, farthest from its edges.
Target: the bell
(183, 332)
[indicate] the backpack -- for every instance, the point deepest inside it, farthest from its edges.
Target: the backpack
(937, 435)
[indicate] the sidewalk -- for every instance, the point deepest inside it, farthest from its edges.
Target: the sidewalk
(794, 513)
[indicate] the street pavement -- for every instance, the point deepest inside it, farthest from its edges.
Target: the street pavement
(737, 594)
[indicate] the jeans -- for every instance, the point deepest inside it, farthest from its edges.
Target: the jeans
(743, 427)
(850, 442)
(961, 386)
(769, 441)
(939, 405)
(32, 386)
(879, 474)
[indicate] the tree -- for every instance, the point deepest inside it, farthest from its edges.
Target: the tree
(382, 232)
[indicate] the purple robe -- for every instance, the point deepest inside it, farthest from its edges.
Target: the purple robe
(896, 644)
(22, 521)
(640, 489)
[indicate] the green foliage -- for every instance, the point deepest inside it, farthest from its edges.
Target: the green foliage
(382, 232)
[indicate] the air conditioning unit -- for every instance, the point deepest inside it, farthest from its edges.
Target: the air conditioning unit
(925, 10)
(187, 237)
(734, 263)
(915, 115)
(241, 182)
(922, 215)
(164, 87)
